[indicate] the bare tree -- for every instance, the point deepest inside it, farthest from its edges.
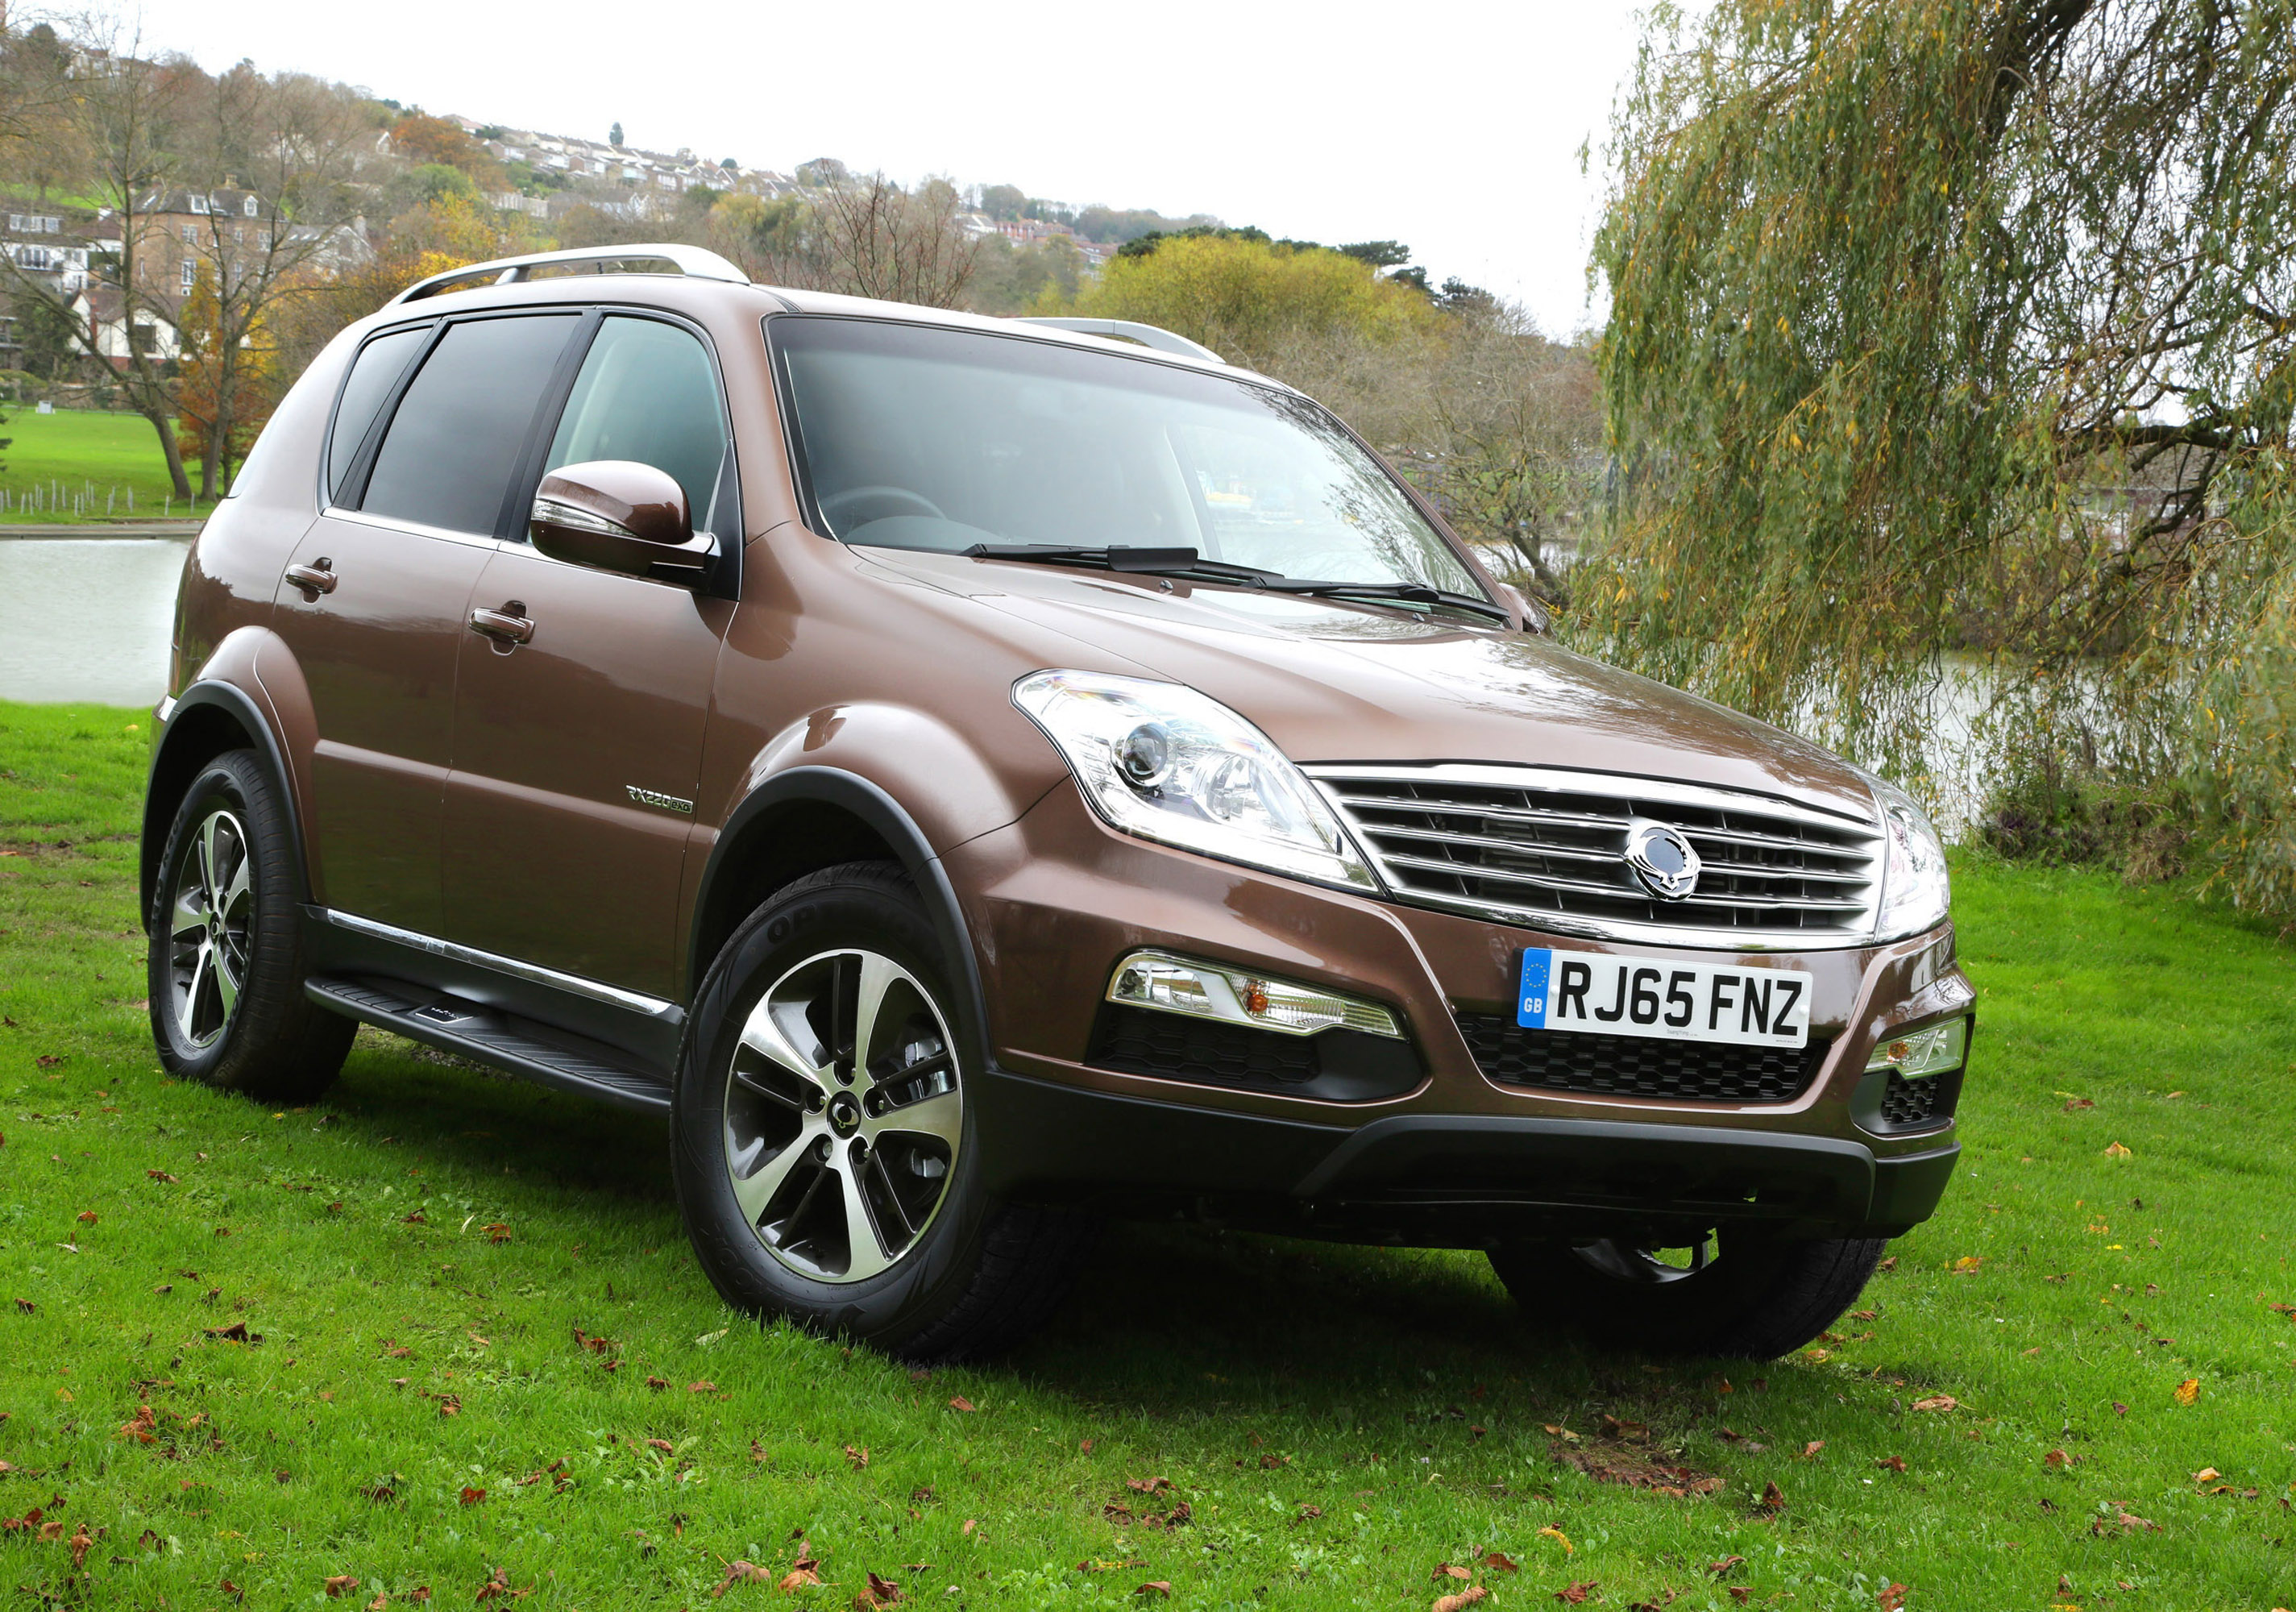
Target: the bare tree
(273, 157)
(127, 112)
(878, 240)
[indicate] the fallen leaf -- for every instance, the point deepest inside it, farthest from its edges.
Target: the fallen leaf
(342, 1583)
(79, 1544)
(1558, 1537)
(799, 1577)
(2188, 1392)
(382, 1600)
(497, 1233)
(2115, 1150)
(450, 1404)
(1160, 1587)
(86, 1217)
(1467, 1596)
(657, 1382)
(1725, 1567)
(2074, 1104)
(882, 1592)
(1774, 1499)
(1498, 1559)
(471, 1497)
(855, 1459)
(2057, 1458)
(1570, 1595)
(662, 1444)
(2207, 1475)
(1444, 1570)
(1938, 1401)
(1148, 1485)
(970, 1525)
(497, 1585)
(1812, 1448)
(960, 1403)
(1891, 1598)
(159, 1175)
(1891, 1463)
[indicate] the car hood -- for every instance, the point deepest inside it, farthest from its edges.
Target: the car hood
(1334, 682)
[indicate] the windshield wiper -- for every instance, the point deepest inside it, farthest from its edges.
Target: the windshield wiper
(1132, 560)
(1187, 562)
(1411, 593)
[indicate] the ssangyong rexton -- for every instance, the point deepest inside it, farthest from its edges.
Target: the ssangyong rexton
(971, 775)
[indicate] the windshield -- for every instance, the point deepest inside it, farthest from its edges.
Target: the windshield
(917, 438)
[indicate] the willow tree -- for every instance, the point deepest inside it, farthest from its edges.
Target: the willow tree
(1955, 324)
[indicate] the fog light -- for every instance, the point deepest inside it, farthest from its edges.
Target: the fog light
(1931, 1051)
(1210, 990)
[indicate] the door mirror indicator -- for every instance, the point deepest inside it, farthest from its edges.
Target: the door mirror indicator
(620, 516)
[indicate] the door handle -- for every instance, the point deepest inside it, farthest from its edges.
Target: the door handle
(507, 627)
(316, 578)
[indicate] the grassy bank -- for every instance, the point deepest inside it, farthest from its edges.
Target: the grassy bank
(100, 457)
(418, 1254)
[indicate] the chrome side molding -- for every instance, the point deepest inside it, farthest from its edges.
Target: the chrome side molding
(534, 973)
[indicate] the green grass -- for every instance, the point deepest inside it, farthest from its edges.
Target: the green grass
(1338, 1420)
(73, 451)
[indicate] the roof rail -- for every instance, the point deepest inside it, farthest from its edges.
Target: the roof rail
(655, 258)
(1147, 335)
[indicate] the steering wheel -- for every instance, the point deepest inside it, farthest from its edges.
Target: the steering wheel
(903, 502)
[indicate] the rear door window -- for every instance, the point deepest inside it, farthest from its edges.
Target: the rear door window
(649, 392)
(376, 370)
(457, 439)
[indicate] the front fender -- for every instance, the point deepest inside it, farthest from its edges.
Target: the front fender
(247, 691)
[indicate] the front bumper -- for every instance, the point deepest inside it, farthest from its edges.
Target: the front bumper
(1055, 900)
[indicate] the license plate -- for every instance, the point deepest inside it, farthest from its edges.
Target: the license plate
(1594, 993)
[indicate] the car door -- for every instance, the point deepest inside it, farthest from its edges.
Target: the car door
(577, 749)
(429, 430)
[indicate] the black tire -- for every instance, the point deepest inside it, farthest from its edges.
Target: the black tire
(977, 1274)
(263, 1037)
(1755, 1297)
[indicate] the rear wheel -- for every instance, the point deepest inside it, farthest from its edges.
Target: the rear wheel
(1732, 1293)
(225, 965)
(825, 1144)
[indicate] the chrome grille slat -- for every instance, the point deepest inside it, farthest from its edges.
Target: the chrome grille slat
(1545, 848)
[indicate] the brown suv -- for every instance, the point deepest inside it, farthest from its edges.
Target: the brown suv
(971, 774)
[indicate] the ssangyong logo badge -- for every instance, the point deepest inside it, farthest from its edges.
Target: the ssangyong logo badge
(1663, 861)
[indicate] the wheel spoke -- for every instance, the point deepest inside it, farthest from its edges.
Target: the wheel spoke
(757, 1190)
(748, 1082)
(227, 987)
(762, 1034)
(941, 1115)
(186, 922)
(876, 973)
(235, 892)
(885, 1181)
(865, 1252)
(210, 885)
(187, 1008)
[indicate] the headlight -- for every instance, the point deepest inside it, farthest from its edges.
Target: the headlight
(1914, 895)
(1164, 762)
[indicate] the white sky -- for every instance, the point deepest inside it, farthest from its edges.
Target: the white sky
(1455, 128)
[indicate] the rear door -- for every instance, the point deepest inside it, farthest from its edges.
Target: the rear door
(578, 752)
(429, 432)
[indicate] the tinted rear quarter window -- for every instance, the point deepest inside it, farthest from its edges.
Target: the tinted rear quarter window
(456, 439)
(375, 371)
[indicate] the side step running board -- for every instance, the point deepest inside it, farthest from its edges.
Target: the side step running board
(503, 1042)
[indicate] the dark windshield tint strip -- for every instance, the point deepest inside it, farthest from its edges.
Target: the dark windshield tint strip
(457, 436)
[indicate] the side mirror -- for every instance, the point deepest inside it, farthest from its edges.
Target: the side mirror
(1534, 614)
(620, 516)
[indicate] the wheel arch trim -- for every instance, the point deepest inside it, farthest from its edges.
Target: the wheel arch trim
(875, 809)
(248, 713)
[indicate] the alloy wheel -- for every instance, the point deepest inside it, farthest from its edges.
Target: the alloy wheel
(211, 929)
(843, 1116)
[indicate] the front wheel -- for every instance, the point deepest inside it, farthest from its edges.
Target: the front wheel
(1732, 1293)
(824, 1142)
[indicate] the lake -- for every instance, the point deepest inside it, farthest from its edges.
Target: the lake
(88, 618)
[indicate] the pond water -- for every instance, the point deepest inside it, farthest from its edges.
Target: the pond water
(88, 618)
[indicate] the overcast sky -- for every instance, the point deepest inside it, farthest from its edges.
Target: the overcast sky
(1454, 128)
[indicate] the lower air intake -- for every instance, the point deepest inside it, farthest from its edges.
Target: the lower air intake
(1627, 1065)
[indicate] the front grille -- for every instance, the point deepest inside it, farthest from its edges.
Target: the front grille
(1547, 849)
(1631, 1065)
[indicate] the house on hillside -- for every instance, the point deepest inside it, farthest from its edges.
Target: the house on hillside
(180, 230)
(100, 308)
